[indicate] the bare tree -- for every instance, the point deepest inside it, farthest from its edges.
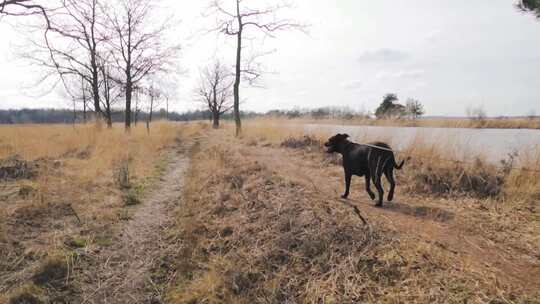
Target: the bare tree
(84, 99)
(139, 49)
(476, 113)
(168, 92)
(529, 6)
(531, 115)
(154, 93)
(215, 90)
(137, 109)
(110, 89)
(414, 108)
(235, 21)
(72, 46)
(81, 96)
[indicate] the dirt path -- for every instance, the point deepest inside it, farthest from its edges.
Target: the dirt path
(121, 272)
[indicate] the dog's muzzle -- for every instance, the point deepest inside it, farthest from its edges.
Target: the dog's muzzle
(329, 147)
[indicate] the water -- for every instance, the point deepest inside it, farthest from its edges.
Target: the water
(462, 143)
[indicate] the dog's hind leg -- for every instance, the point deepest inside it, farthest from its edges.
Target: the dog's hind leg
(379, 187)
(376, 173)
(368, 186)
(389, 173)
(348, 177)
(377, 181)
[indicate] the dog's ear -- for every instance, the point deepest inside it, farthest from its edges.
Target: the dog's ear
(345, 135)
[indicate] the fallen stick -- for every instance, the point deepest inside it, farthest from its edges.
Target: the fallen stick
(357, 211)
(75, 213)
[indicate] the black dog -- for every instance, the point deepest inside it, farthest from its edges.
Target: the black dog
(370, 160)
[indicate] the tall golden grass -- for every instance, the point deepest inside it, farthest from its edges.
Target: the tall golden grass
(494, 123)
(89, 150)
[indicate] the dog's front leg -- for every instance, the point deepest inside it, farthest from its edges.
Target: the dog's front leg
(348, 176)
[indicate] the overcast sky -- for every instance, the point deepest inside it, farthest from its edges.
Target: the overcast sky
(449, 54)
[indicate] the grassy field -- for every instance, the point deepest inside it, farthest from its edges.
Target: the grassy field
(65, 189)
(494, 123)
(258, 220)
(262, 222)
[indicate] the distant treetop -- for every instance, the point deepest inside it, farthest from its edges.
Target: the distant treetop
(530, 6)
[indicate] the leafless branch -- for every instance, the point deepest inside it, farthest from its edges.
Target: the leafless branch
(215, 90)
(240, 21)
(139, 51)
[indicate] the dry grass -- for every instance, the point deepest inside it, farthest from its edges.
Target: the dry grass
(76, 198)
(85, 144)
(494, 123)
(254, 230)
(260, 222)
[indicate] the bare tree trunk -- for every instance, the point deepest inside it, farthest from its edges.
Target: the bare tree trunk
(237, 85)
(215, 118)
(149, 119)
(107, 81)
(167, 113)
(109, 118)
(128, 106)
(84, 109)
(237, 77)
(95, 93)
(74, 113)
(83, 99)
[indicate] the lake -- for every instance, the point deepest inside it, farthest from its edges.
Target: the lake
(462, 143)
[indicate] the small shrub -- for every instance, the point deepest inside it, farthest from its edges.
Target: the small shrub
(75, 242)
(480, 180)
(15, 168)
(121, 175)
(28, 294)
(131, 197)
(78, 153)
(53, 271)
(307, 141)
(124, 215)
(26, 190)
(240, 282)
(104, 240)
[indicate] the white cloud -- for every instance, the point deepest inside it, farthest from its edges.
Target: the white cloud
(400, 75)
(434, 36)
(384, 55)
(352, 85)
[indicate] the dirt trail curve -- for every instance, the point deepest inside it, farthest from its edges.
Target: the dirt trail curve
(120, 273)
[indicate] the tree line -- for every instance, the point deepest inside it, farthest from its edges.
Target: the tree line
(68, 116)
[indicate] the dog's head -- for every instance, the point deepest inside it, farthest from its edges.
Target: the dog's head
(335, 142)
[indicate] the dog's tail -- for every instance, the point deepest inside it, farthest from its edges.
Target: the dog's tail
(400, 164)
